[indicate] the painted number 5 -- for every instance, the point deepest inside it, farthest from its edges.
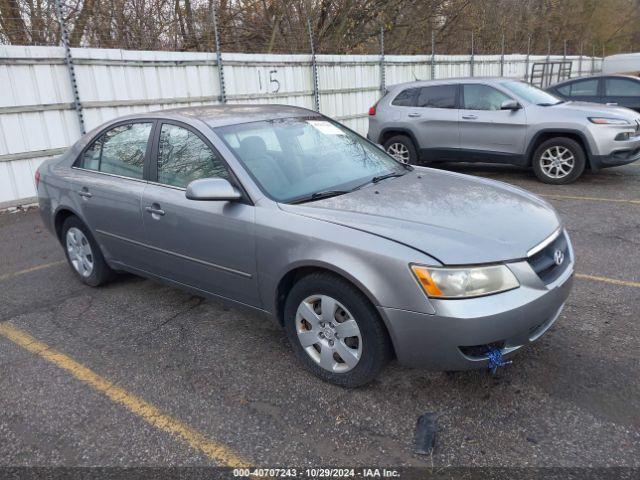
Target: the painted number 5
(274, 83)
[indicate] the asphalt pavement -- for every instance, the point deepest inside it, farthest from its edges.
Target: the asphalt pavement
(140, 373)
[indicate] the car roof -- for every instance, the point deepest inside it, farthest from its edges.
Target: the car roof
(219, 115)
(445, 81)
(587, 77)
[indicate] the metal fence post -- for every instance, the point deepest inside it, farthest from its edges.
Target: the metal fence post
(502, 57)
(314, 69)
(383, 78)
(68, 59)
(564, 51)
(471, 59)
(593, 59)
(216, 34)
(433, 55)
(580, 59)
(526, 64)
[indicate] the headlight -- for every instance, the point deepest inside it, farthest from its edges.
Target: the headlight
(608, 121)
(464, 282)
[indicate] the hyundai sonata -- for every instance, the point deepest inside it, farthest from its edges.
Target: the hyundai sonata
(283, 211)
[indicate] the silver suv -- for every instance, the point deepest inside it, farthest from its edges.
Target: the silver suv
(501, 120)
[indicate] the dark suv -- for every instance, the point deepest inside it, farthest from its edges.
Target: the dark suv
(615, 90)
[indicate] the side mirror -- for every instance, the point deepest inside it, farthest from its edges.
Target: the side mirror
(510, 105)
(212, 189)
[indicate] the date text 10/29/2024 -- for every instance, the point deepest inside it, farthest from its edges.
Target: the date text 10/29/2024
(316, 472)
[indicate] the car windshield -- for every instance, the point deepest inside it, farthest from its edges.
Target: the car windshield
(532, 94)
(302, 159)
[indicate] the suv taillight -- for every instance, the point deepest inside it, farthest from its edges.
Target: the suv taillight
(372, 111)
(37, 178)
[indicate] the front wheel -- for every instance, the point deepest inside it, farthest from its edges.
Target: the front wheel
(335, 331)
(559, 161)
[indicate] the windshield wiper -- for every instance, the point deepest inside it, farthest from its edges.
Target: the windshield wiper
(379, 178)
(320, 195)
(334, 193)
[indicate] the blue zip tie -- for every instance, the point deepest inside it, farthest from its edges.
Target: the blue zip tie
(494, 355)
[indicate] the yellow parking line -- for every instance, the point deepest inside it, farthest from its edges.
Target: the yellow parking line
(590, 199)
(32, 269)
(143, 409)
(612, 281)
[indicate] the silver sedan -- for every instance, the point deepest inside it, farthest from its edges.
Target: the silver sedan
(285, 212)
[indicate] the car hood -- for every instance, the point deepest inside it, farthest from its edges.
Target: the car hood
(456, 219)
(598, 110)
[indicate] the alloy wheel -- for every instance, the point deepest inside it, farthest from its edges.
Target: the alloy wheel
(79, 250)
(557, 162)
(399, 151)
(328, 333)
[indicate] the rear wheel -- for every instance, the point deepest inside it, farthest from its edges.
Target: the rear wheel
(559, 161)
(83, 253)
(402, 149)
(335, 331)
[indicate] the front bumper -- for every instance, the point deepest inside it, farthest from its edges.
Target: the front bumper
(616, 159)
(606, 151)
(508, 320)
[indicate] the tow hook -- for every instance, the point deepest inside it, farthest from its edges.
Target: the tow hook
(494, 355)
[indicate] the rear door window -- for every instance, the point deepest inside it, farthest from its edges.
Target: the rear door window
(621, 87)
(120, 150)
(438, 96)
(405, 98)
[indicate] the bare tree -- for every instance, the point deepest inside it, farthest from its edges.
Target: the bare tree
(12, 22)
(339, 26)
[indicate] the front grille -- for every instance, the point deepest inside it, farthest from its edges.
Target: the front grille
(544, 261)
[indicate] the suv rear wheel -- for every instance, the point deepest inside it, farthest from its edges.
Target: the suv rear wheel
(559, 161)
(402, 149)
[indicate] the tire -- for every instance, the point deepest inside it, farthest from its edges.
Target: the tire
(372, 343)
(564, 149)
(83, 253)
(401, 143)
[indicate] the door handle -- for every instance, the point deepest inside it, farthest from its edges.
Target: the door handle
(85, 193)
(414, 115)
(470, 117)
(154, 210)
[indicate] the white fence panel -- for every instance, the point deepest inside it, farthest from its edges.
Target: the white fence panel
(348, 85)
(38, 120)
(407, 68)
(251, 78)
(113, 83)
